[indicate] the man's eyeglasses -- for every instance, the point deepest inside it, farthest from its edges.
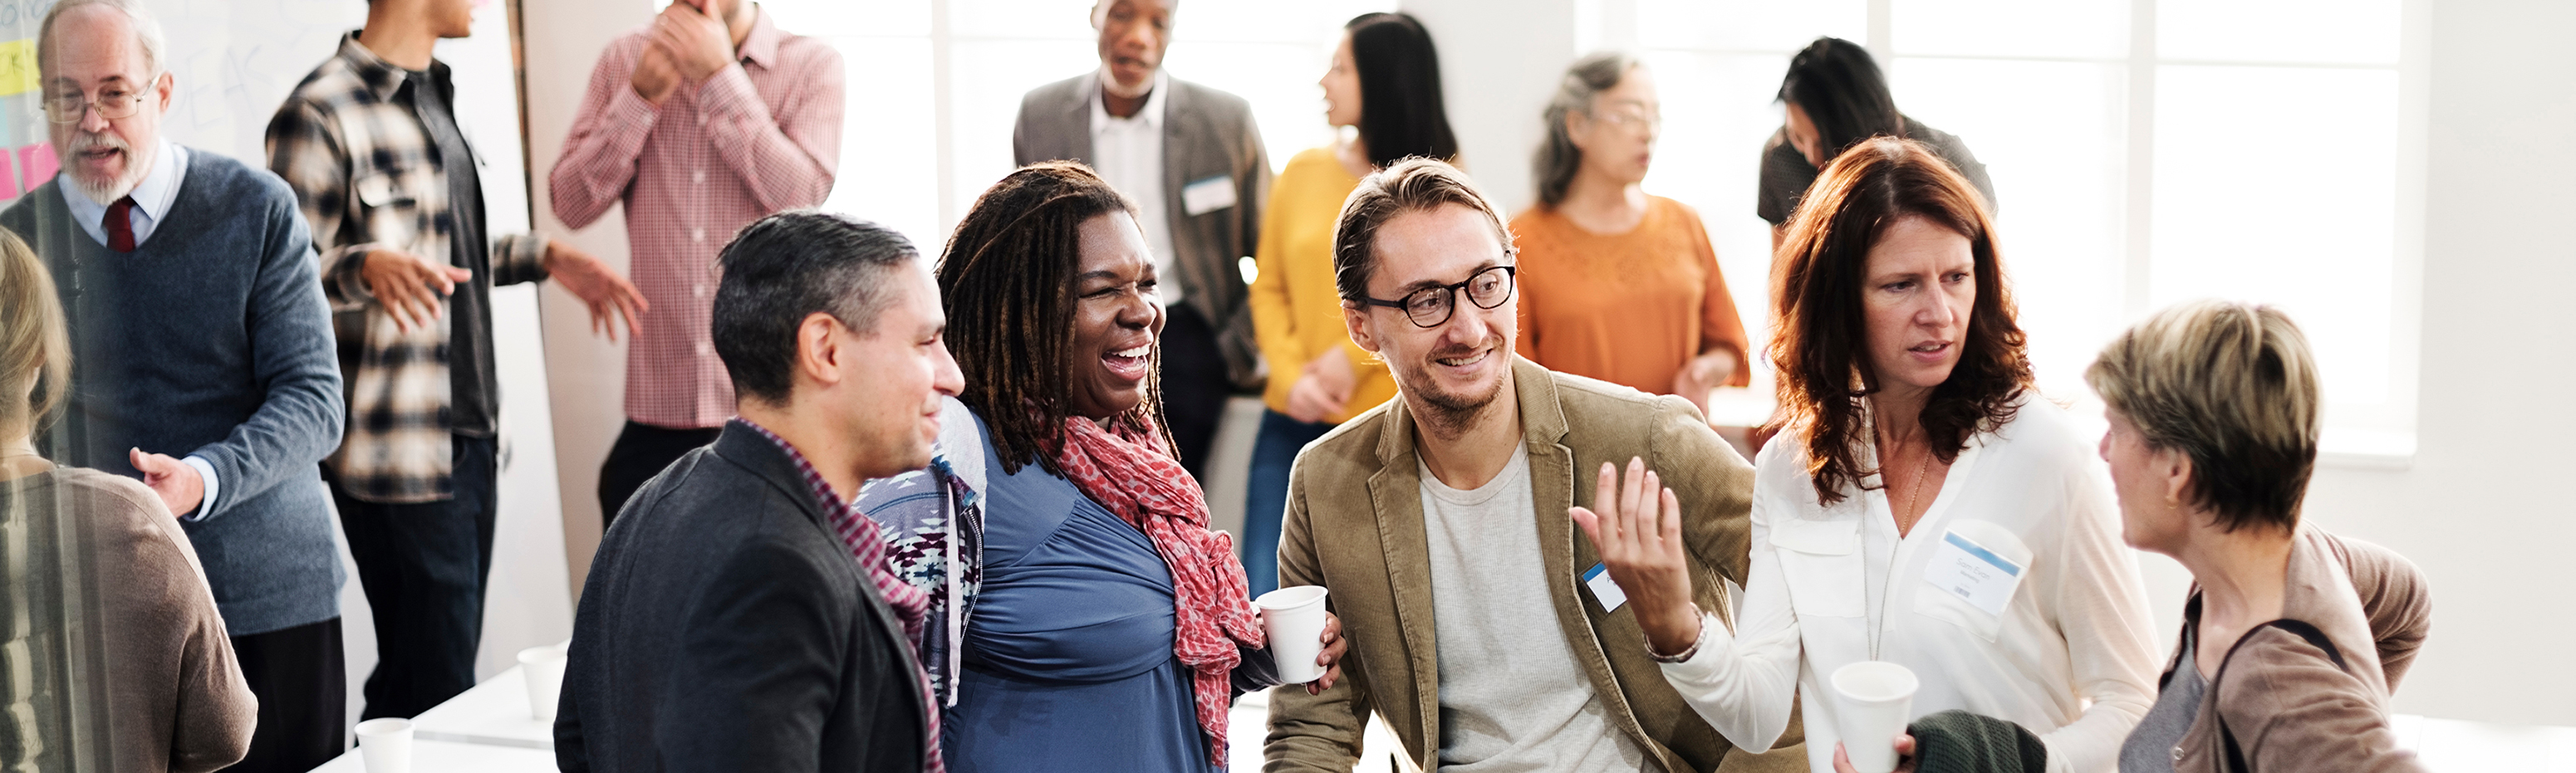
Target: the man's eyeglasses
(111, 104)
(1432, 306)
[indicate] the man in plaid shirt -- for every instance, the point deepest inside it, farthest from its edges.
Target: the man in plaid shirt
(702, 122)
(370, 144)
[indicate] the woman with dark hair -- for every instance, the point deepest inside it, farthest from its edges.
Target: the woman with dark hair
(1616, 284)
(1384, 84)
(1923, 505)
(112, 656)
(1092, 620)
(1837, 97)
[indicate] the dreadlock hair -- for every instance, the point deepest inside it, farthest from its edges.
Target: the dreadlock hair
(1006, 280)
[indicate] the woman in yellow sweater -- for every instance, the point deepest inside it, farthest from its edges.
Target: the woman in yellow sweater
(1385, 82)
(1615, 284)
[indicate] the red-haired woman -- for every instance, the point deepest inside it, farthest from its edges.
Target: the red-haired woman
(1922, 505)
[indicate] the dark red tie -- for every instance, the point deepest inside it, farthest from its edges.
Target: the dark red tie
(120, 225)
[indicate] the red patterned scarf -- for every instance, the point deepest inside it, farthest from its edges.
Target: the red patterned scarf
(1211, 603)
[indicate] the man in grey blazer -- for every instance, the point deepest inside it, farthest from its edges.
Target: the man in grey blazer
(742, 615)
(1192, 160)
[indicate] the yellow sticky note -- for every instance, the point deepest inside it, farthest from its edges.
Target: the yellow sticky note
(18, 67)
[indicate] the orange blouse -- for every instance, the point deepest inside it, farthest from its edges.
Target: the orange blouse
(1628, 308)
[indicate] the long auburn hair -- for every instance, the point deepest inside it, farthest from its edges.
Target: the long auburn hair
(1821, 349)
(1007, 281)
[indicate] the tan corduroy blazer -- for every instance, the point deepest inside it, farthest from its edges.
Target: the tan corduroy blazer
(1354, 525)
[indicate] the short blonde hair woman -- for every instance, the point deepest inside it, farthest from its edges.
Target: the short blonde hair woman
(2293, 637)
(99, 574)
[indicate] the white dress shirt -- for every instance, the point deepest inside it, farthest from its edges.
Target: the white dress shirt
(1128, 153)
(152, 196)
(2068, 653)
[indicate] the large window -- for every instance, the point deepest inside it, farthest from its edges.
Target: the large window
(935, 84)
(2143, 153)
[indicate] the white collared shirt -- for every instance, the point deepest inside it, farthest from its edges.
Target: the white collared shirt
(2065, 650)
(1128, 153)
(152, 197)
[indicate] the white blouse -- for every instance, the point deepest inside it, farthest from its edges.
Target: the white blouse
(2013, 598)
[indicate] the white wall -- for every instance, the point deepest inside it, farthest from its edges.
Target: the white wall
(588, 375)
(2477, 511)
(1500, 60)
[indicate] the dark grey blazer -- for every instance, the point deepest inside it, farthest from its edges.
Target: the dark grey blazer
(724, 627)
(1206, 133)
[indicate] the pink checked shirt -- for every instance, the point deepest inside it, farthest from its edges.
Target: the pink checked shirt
(753, 139)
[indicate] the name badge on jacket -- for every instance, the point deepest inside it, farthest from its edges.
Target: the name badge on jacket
(1208, 195)
(1961, 567)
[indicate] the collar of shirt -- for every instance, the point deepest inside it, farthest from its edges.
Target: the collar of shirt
(1151, 117)
(152, 197)
(761, 46)
(383, 77)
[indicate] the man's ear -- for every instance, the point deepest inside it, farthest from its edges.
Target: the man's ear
(818, 349)
(164, 87)
(1355, 317)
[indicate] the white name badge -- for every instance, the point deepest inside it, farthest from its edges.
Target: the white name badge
(1968, 570)
(1598, 578)
(1208, 195)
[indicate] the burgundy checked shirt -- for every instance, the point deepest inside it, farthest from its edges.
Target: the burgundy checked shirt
(751, 140)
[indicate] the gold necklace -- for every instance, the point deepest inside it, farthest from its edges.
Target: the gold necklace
(1915, 496)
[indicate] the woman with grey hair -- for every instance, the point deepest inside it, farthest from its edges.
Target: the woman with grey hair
(2293, 638)
(1616, 284)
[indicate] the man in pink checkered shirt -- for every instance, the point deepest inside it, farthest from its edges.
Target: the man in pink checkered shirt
(702, 122)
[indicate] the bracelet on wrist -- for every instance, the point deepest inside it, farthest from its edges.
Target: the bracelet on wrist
(1685, 654)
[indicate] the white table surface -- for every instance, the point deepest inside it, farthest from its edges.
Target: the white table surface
(494, 713)
(448, 757)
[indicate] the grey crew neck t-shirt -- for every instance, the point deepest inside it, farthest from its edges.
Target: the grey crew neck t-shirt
(1512, 696)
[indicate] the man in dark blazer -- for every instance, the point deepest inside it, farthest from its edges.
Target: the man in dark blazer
(741, 616)
(1192, 160)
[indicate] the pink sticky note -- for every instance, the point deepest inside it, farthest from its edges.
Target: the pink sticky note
(8, 179)
(39, 164)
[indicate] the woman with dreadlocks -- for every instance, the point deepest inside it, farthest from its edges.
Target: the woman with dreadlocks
(1094, 621)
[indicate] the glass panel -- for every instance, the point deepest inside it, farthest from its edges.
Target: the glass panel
(1278, 79)
(876, 18)
(887, 168)
(2052, 28)
(988, 78)
(1717, 113)
(2323, 31)
(2253, 201)
(1047, 19)
(1747, 25)
(2053, 137)
(1305, 22)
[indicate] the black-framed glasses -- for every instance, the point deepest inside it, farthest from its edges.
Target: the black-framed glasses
(1432, 306)
(112, 104)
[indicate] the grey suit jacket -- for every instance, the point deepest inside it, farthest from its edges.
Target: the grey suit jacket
(725, 628)
(1206, 133)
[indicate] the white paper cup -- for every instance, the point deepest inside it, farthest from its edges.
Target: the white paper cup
(385, 745)
(544, 668)
(1877, 698)
(1294, 619)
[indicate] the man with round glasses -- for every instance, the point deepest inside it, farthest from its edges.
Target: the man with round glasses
(202, 358)
(1482, 630)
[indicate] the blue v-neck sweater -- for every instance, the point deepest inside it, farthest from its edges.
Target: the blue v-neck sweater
(210, 338)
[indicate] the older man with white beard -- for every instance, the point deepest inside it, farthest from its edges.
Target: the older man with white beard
(202, 358)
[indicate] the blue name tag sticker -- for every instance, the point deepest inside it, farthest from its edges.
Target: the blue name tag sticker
(1598, 579)
(1961, 567)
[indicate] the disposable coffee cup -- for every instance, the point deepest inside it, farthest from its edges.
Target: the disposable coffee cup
(544, 668)
(1294, 619)
(385, 745)
(1877, 698)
